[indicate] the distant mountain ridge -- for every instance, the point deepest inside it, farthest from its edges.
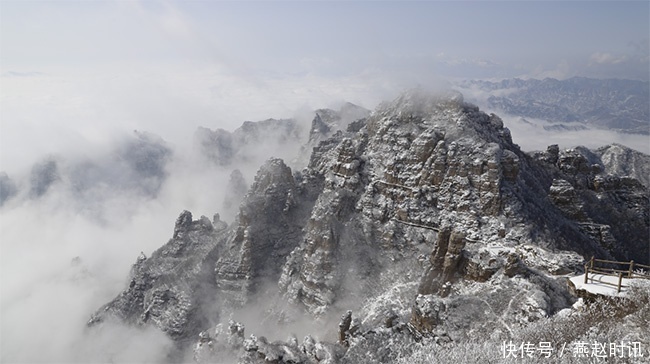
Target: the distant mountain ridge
(136, 164)
(616, 104)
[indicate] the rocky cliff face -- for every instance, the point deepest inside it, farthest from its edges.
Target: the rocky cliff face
(420, 218)
(592, 190)
(326, 122)
(173, 289)
(269, 227)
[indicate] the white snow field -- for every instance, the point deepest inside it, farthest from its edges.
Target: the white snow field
(601, 284)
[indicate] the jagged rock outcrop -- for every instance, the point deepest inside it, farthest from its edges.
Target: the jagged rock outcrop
(606, 202)
(427, 310)
(269, 227)
(348, 327)
(421, 162)
(445, 260)
(312, 273)
(424, 218)
(230, 345)
(326, 122)
(173, 289)
(208, 268)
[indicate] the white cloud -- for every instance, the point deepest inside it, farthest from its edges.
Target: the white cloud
(47, 298)
(560, 71)
(81, 115)
(175, 23)
(532, 136)
(107, 68)
(459, 61)
(606, 58)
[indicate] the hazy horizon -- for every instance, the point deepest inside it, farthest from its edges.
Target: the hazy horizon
(82, 71)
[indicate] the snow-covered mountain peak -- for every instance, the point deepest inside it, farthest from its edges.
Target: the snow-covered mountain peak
(415, 217)
(418, 102)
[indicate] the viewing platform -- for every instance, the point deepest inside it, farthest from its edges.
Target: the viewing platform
(608, 278)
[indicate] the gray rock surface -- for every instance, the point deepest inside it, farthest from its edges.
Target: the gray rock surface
(269, 227)
(173, 289)
(424, 219)
(603, 196)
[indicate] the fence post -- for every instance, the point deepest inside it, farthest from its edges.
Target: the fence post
(591, 262)
(586, 272)
(620, 279)
(629, 274)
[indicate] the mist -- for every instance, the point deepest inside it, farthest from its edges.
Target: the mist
(58, 265)
(530, 135)
(95, 189)
(91, 195)
(533, 134)
(101, 103)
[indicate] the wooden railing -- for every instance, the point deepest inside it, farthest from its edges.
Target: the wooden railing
(604, 267)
